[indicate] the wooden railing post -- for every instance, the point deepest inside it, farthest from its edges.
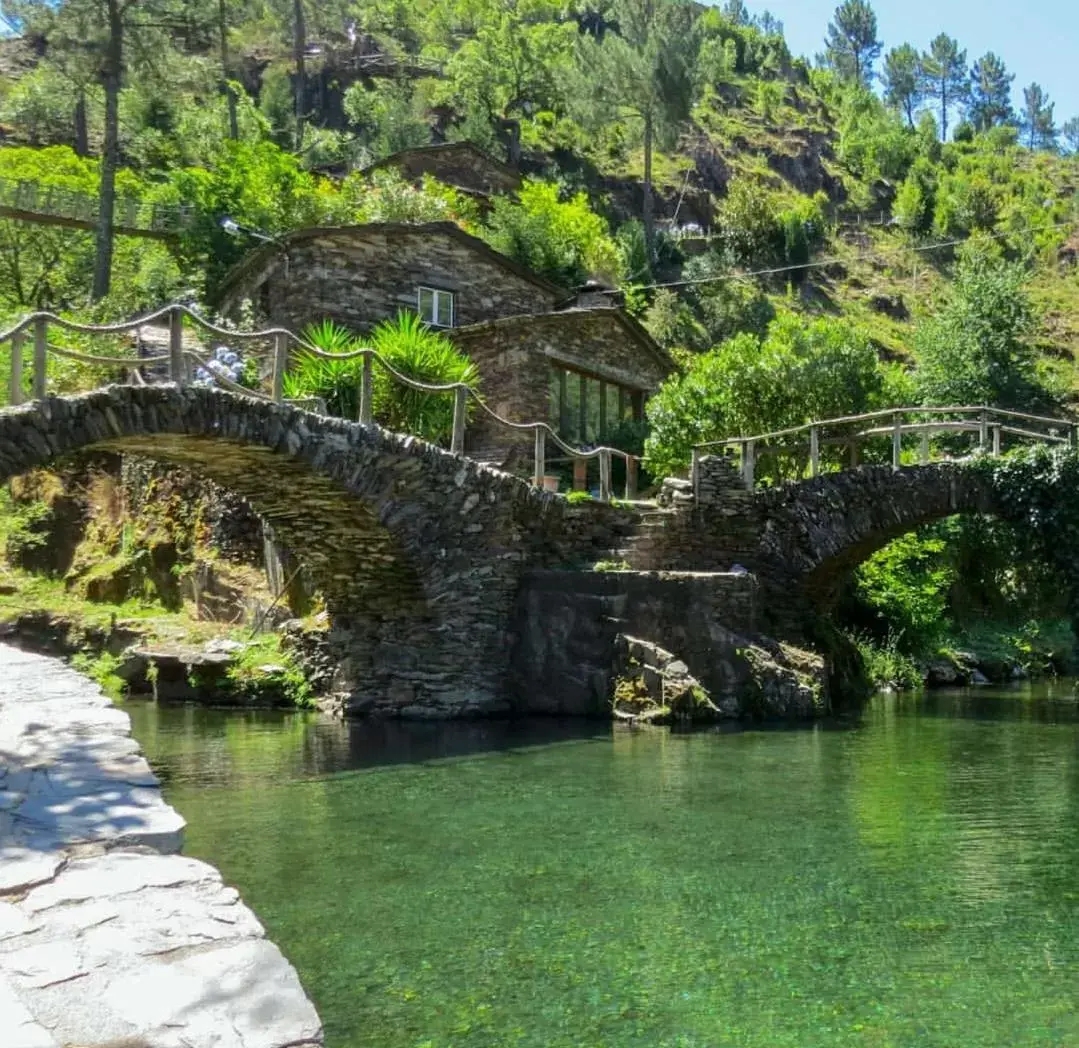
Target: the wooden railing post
(41, 358)
(695, 469)
(177, 371)
(539, 467)
(983, 430)
(631, 476)
(853, 452)
(580, 474)
(605, 475)
(897, 439)
(924, 453)
(280, 366)
(1073, 436)
(749, 463)
(15, 393)
(367, 391)
(996, 438)
(814, 451)
(460, 407)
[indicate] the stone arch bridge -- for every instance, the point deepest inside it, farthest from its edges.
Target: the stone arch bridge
(419, 553)
(802, 539)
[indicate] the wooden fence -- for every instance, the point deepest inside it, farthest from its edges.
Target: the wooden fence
(180, 361)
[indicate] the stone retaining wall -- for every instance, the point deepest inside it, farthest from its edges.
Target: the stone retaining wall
(568, 624)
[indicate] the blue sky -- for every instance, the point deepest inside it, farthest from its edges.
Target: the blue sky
(1038, 40)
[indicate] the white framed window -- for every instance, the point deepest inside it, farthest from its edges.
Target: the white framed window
(436, 307)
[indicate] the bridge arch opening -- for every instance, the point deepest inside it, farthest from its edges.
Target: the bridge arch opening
(411, 547)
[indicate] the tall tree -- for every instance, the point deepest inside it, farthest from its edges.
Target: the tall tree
(299, 57)
(1069, 132)
(1036, 120)
(944, 76)
(990, 93)
(902, 82)
(645, 70)
(851, 45)
(735, 11)
(226, 67)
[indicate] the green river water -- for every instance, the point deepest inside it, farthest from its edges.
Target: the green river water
(911, 878)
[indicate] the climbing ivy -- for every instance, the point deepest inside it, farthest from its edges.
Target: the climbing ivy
(1037, 489)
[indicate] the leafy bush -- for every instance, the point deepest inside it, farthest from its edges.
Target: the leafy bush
(335, 382)
(384, 196)
(978, 349)
(563, 240)
(798, 372)
(412, 348)
(907, 584)
(886, 665)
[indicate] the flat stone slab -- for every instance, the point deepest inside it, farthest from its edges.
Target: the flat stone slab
(106, 935)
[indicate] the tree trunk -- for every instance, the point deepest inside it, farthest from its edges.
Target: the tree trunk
(299, 48)
(649, 218)
(112, 74)
(230, 95)
(943, 111)
(82, 134)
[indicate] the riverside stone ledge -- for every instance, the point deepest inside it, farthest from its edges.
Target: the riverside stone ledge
(107, 936)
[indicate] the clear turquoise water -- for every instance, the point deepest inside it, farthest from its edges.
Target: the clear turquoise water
(912, 879)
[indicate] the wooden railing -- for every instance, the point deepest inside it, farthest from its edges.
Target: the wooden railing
(31, 201)
(180, 360)
(803, 445)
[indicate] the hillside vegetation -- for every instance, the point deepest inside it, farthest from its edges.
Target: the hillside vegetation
(806, 238)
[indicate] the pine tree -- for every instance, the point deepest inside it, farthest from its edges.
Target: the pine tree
(646, 69)
(1069, 132)
(944, 76)
(1036, 121)
(990, 93)
(851, 46)
(902, 83)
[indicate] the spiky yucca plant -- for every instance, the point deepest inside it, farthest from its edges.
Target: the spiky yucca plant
(335, 382)
(409, 346)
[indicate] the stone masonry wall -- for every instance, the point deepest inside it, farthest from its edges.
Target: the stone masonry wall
(514, 357)
(457, 164)
(361, 276)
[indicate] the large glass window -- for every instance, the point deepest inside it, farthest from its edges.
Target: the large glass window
(435, 306)
(587, 409)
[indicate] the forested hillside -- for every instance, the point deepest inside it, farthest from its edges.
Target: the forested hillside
(808, 236)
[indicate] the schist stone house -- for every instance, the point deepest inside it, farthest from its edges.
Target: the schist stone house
(459, 164)
(542, 353)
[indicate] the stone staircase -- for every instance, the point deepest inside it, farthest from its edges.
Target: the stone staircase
(647, 548)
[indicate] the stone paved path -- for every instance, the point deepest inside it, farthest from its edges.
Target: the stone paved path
(107, 936)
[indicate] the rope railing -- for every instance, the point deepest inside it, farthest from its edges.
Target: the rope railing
(806, 441)
(180, 357)
(30, 197)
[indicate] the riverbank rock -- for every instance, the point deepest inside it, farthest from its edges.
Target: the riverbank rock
(651, 684)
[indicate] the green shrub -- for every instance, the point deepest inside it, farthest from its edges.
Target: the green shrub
(563, 240)
(799, 372)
